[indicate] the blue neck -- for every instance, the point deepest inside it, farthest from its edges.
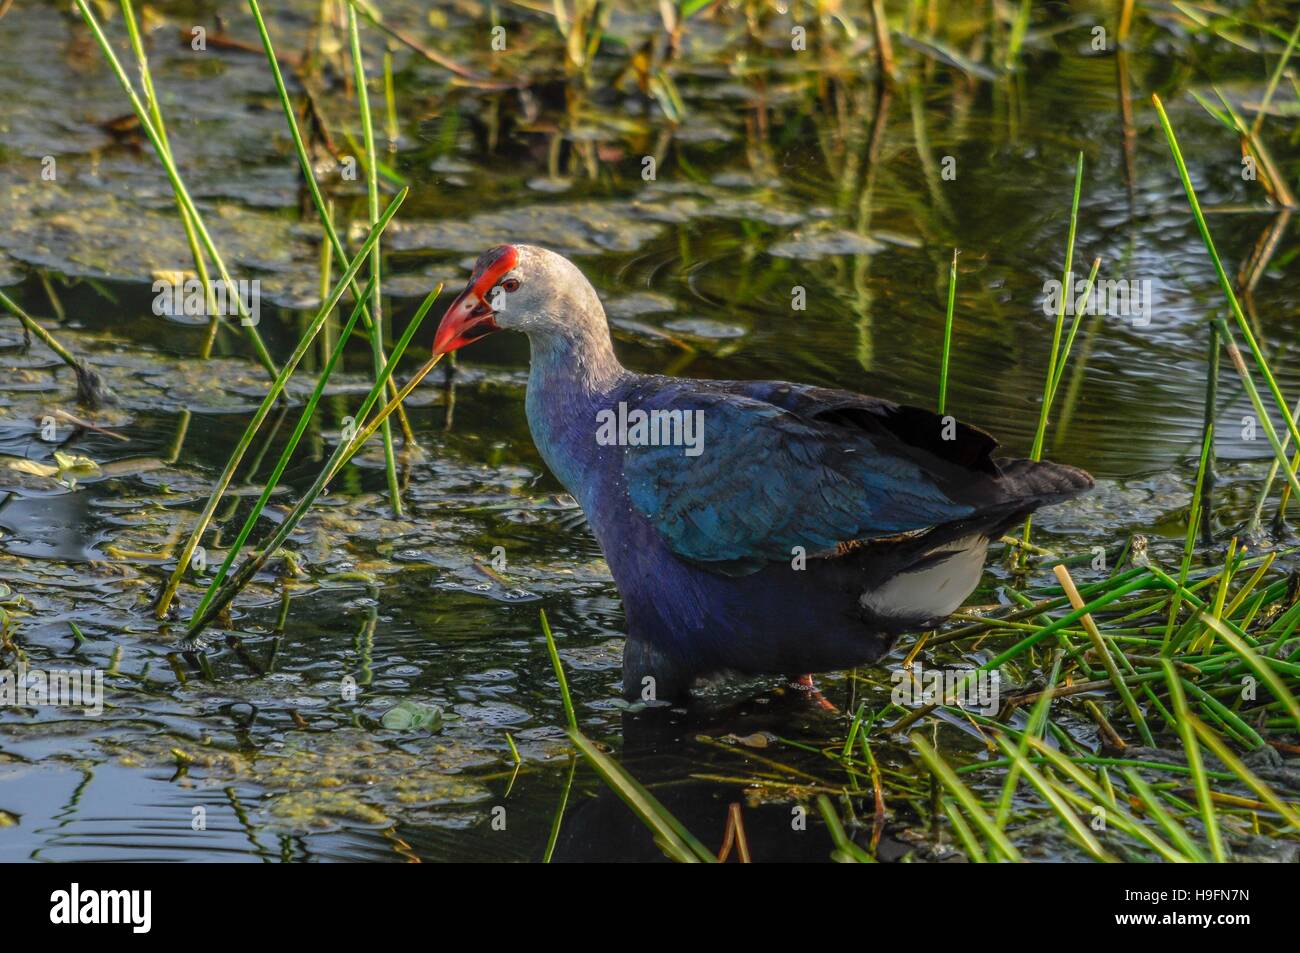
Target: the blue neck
(573, 375)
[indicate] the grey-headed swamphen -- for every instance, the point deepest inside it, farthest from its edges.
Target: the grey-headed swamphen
(751, 526)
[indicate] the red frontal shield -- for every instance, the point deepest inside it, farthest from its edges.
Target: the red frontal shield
(470, 317)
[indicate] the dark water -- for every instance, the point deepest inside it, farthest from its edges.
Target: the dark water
(788, 170)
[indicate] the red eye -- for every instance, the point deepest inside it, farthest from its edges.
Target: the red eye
(510, 284)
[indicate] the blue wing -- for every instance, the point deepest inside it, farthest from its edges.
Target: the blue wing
(783, 465)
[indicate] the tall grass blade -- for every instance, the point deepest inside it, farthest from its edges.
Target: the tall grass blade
(948, 778)
(947, 334)
(569, 713)
(1049, 386)
(286, 454)
(673, 839)
(191, 234)
(1226, 284)
(372, 206)
(309, 178)
(1248, 777)
(1193, 751)
(1055, 801)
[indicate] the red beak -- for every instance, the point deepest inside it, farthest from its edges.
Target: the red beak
(470, 317)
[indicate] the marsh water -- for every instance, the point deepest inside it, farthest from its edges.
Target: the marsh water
(784, 170)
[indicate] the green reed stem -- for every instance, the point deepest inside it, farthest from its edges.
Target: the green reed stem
(569, 713)
(947, 334)
(1248, 777)
(1151, 802)
(1054, 800)
(191, 236)
(1074, 330)
(940, 769)
(1239, 363)
(1049, 386)
(1104, 797)
(390, 100)
(1189, 542)
(673, 838)
(845, 850)
(313, 187)
(372, 204)
(1037, 719)
(1209, 818)
(1234, 305)
(1273, 80)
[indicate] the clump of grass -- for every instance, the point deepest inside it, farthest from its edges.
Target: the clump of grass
(321, 206)
(215, 601)
(277, 387)
(190, 211)
(1163, 684)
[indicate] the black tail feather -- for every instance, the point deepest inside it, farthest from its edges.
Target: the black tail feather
(1038, 484)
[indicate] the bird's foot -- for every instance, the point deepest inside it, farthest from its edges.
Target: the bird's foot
(805, 683)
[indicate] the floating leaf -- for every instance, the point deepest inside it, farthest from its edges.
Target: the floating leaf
(412, 716)
(74, 464)
(32, 467)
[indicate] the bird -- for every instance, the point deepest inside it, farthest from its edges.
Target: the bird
(754, 528)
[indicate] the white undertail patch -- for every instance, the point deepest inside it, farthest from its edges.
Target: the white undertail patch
(935, 590)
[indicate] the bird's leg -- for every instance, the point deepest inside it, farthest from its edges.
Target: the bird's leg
(651, 675)
(805, 683)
